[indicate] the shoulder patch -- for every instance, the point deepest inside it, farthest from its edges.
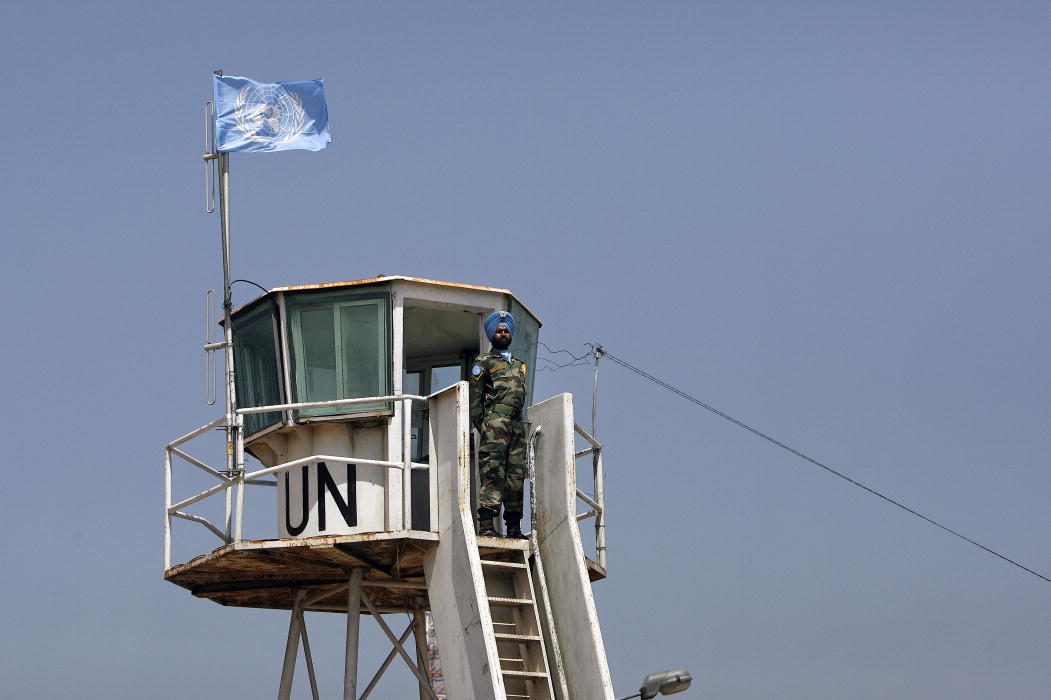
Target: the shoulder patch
(523, 368)
(476, 371)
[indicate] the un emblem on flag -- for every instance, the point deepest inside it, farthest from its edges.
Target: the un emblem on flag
(269, 113)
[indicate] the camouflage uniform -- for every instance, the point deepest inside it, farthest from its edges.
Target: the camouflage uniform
(498, 389)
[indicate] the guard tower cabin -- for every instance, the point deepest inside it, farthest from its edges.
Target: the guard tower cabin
(352, 397)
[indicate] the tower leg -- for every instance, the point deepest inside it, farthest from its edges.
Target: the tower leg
(307, 656)
(350, 672)
(288, 670)
(422, 662)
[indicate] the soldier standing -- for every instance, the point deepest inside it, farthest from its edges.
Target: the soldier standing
(498, 388)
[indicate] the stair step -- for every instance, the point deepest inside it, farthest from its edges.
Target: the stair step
(509, 637)
(503, 564)
(525, 674)
(497, 600)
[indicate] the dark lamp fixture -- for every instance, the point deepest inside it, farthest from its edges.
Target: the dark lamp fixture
(665, 683)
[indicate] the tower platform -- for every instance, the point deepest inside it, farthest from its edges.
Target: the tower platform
(264, 573)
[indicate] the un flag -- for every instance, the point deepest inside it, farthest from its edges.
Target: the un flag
(253, 117)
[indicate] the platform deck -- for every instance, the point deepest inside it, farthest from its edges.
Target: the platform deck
(266, 573)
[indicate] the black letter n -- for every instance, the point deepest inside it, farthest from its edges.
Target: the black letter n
(347, 508)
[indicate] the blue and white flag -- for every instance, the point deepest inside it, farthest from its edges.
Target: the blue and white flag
(251, 116)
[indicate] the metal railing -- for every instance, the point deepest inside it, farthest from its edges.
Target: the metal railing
(235, 481)
(232, 484)
(597, 502)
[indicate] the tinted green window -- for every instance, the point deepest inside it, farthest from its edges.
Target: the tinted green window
(524, 342)
(340, 349)
(256, 366)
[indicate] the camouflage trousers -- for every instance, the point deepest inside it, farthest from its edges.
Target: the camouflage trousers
(501, 464)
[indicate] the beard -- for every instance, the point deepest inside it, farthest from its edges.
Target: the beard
(501, 344)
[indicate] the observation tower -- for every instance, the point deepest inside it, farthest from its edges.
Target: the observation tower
(351, 397)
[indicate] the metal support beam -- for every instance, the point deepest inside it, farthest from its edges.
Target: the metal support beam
(386, 663)
(350, 669)
(419, 626)
(424, 683)
(288, 669)
(307, 655)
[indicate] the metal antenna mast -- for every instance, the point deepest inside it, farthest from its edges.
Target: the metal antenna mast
(234, 457)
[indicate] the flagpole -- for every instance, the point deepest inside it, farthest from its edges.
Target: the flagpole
(228, 307)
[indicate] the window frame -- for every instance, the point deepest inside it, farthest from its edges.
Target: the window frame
(242, 369)
(295, 305)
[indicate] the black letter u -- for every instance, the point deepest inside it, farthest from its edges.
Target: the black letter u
(293, 531)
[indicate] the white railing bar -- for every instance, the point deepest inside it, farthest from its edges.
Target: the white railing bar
(279, 468)
(585, 516)
(199, 464)
(203, 521)
(260, 482)
(587, 499)
(585, 453)
(583, 433)
(201, 496)
(328, 404)
(321, 458)
(200, 431)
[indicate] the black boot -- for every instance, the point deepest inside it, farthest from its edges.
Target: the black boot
(513, 526)
(485, 523)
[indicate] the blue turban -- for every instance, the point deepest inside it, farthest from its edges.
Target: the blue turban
(495, 319)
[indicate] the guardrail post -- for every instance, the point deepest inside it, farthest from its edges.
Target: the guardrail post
(406, 468)
(167, 506)
(600, 518)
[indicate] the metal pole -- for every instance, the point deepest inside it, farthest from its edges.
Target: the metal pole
(228, 307)
(597, 475)
(424, 683)
(288, 669)
(167, 506)
(419, 624)
(406, 470)
(350, 670)
(307, 656)
(594, 395)
(228, 501)
(239, 465)
(386, 663)
(600, 517)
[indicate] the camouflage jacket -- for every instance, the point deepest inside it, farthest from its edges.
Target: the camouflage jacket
(497, 386)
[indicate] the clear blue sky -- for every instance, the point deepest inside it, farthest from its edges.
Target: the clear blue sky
(829, 219)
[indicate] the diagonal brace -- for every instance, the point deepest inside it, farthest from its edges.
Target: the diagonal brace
(425, 683)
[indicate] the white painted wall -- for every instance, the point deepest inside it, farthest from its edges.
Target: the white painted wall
(558, 538)
(338, 440)
(470, 662)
